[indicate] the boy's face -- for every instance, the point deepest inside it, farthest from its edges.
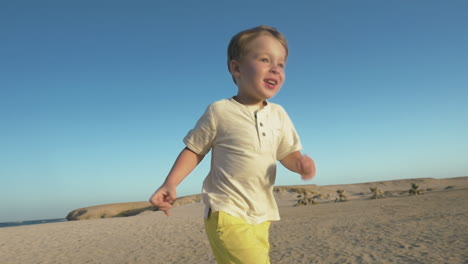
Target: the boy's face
(260, 72)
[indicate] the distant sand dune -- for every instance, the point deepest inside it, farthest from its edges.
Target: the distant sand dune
(284, 195)
(123, 209)
(429, 228)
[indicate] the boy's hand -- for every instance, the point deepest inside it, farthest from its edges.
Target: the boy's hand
(306, 167)
(163, 198)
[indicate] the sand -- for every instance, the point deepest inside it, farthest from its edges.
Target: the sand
(429, 228)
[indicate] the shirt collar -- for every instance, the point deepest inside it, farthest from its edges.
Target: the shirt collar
(265, 106)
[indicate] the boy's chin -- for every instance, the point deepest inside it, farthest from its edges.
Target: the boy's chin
(270, 95)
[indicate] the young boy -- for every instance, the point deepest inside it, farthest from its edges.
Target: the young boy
(247, 135)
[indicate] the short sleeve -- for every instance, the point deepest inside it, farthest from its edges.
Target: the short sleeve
(290, 141)
(200, 138)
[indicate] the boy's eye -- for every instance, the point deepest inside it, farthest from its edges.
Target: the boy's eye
(281, 65)
(265, 60)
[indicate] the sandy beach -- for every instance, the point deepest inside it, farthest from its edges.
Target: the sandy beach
(429, 228)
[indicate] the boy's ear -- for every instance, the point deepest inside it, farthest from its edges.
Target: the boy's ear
(235, 69)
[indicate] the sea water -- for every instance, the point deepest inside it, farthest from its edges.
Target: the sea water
(32, 222)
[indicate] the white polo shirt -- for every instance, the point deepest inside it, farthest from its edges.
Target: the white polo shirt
(246, 145)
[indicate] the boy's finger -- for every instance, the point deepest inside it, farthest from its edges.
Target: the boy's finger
(165, 207)
(169, 199)
(167, 212)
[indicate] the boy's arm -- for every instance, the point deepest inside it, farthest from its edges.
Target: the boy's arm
(302, 164)
(166, 194)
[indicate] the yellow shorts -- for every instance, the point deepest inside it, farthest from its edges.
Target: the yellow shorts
(233, 240)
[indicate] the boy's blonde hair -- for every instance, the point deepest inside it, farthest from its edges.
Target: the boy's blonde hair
(237, 45)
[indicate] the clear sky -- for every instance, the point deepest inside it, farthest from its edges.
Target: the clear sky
(96, 96)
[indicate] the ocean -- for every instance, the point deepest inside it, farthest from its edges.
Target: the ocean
(32, 222)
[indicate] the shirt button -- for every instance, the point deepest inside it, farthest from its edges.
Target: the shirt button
(264, 134)
(261, 124)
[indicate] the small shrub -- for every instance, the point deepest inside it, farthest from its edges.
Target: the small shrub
(415, 190)
(306, 197)
(341, 196)
(376, 193)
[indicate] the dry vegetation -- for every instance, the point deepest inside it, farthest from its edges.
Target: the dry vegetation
(306, 198)
(376, 193)
(415, 189)
(342, 197)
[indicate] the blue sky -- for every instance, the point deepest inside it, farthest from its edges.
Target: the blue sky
(96, 96)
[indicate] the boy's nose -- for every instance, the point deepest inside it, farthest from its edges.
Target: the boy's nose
(275, 69)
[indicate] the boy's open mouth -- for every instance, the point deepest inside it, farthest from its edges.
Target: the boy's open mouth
(271, 83)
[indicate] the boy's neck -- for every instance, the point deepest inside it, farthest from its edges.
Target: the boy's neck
(248, 102)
